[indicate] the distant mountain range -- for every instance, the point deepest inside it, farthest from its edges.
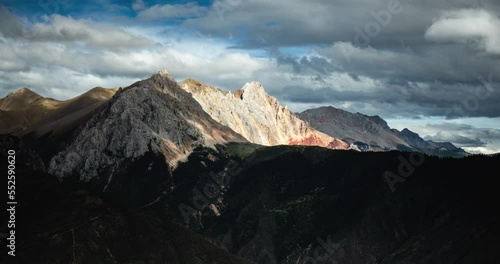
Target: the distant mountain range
(250, 112)
(168, 172)
(371, 133)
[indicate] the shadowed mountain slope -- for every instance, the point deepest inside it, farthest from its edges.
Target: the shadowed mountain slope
(303, 205)
(23, 112)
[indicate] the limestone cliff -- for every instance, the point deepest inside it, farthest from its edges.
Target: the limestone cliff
(258, 117)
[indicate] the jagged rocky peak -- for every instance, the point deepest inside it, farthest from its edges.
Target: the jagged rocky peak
(252, 90)
(161, 75)
(254, 87)
(164, 73)
(161, 81)
(257, 116)
(195, 87)
(151, 116)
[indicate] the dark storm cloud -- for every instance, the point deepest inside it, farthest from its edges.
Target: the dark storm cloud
(408, 100)
(394, 58)
(304, 64)
(421, 49)
(296, 23)
(333, 96)
(428, 86)
(446, 63)
(464, 135)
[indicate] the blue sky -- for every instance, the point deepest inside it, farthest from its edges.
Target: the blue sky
(431, 66)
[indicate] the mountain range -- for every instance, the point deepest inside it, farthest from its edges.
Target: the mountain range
(249, 111)
(168, 172)
(372, 133)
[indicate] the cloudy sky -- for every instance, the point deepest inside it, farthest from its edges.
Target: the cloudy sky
(430, 65)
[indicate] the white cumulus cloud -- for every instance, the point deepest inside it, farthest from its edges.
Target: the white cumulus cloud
(476, 27)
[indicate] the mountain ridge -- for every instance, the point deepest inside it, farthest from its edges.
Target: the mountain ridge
(372, 133)
(257, 116)
(249, 111)
(25, 111)
(155, 115)
(151, 155)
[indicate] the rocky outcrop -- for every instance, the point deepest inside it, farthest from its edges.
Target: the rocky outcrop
(153, 115)
(258, 117)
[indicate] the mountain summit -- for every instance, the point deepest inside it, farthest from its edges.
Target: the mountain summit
(258, 117)
(150, 116)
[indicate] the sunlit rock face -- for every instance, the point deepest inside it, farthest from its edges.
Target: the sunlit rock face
(258, 117)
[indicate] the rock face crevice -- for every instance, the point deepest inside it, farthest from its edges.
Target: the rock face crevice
(151, 115)
(258, 117)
